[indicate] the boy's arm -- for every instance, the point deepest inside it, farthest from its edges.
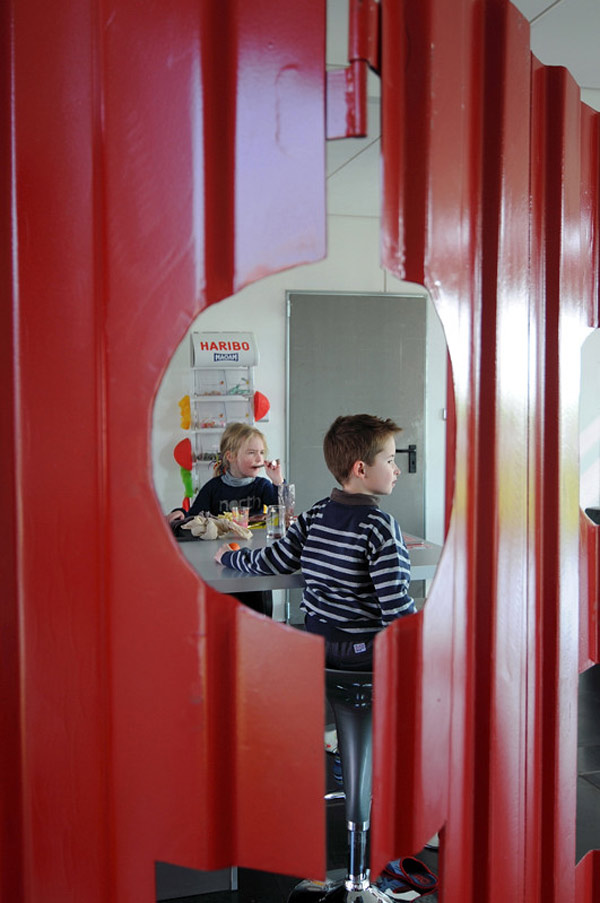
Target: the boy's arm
(281, 557)
(390, 572)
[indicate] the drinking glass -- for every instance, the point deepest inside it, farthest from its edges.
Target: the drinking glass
(287, 498)
(275, 521)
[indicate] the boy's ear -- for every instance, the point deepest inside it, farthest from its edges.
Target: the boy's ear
(358, 469)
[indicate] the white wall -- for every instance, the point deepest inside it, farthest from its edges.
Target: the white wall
(352, 264)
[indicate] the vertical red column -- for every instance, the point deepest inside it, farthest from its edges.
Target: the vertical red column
(158, 157)
(53, 658)
(559, 282)
(489, 200)
(589, 596)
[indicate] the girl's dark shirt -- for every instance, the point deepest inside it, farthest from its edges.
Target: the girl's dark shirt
(217, 497)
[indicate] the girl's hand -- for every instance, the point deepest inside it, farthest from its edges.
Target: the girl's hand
(174, 516)
(273, 471)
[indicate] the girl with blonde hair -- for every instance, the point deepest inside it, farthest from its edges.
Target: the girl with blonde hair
(237, 481)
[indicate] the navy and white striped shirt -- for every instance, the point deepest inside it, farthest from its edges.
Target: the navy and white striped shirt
(354, 562)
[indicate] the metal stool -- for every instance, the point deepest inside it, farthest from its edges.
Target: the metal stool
(350, 694)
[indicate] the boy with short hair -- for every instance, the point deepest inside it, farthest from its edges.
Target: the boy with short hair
(352, 555)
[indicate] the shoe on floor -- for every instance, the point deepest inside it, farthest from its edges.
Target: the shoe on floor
(396, 889)
(412, 872)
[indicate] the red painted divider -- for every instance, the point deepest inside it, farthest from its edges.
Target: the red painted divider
(157, 158)
(490, 199)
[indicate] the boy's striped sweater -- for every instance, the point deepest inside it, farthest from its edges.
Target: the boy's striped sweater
(354, 562)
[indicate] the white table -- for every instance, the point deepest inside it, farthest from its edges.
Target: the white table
(424, 557)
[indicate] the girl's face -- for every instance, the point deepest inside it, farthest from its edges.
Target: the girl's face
(249, 460)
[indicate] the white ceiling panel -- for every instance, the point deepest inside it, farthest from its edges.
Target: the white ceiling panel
(563, 33)
(567, 33)
(533, 8)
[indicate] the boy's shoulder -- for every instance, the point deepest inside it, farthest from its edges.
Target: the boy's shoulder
(343, 506)
(317, 508)
(368, 514)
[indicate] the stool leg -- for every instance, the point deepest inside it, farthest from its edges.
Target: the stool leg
(358, 873)
(354, 729)
(349, 694)
(313, 892)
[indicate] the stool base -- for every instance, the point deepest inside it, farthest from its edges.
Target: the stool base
(328, 892)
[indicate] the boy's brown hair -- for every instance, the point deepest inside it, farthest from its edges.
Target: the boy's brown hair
(355, 437)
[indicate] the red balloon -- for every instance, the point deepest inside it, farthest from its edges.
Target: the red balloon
(261, 405)
(183, 454)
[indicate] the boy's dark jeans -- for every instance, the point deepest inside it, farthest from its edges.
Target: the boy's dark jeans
(349, 655)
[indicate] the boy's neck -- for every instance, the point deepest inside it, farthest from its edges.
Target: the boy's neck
(354, 486)
(354, 498)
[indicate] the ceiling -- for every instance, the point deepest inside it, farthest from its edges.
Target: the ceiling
(563, 33)
(567, 33)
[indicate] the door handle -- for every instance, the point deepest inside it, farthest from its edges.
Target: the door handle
(411, 451)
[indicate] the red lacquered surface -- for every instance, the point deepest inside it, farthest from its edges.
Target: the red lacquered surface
(347, 87)
(490, 199)
(157, 158)
(163, 157)
(589, 590)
